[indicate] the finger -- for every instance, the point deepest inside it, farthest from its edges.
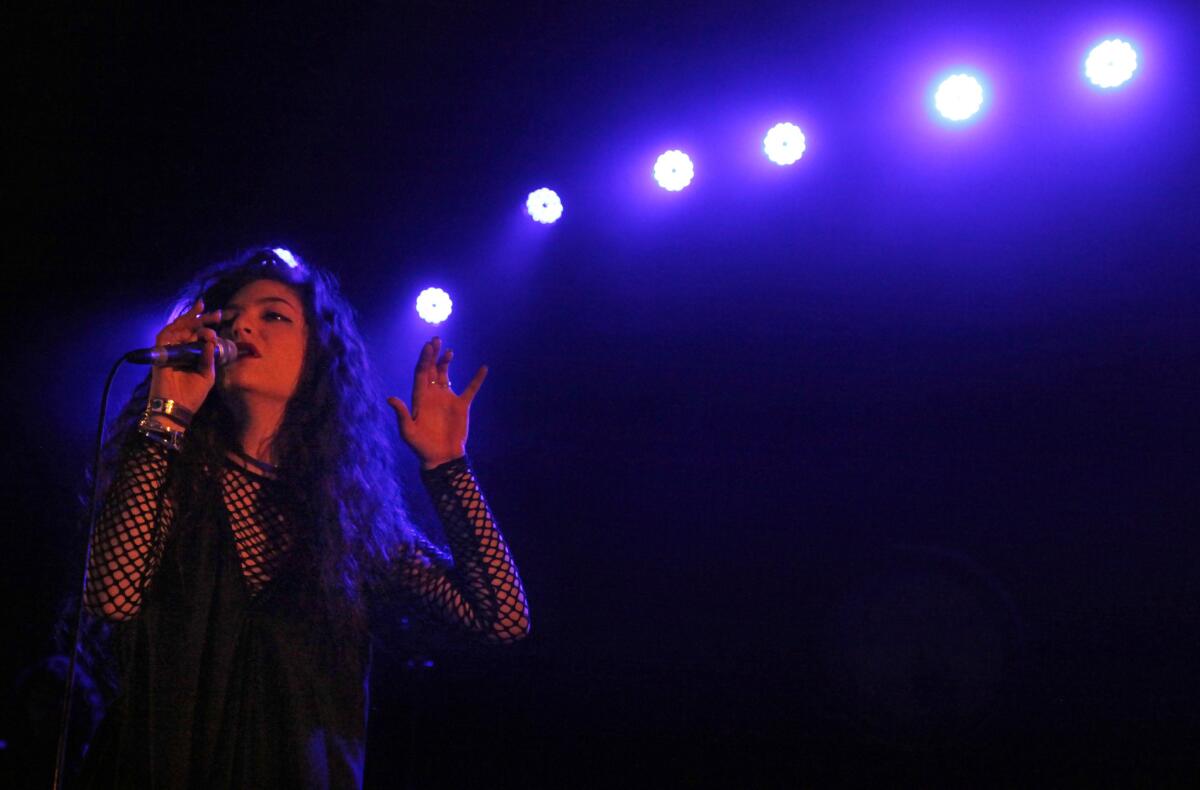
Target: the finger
(193, 320)
(185, 329)
(210, 345)
(176, 322)
(469, 393)
(443, 367)
(424, 362)
(200, 319)
(195, 310)
(422, 375)
(399, 407)
(435, 346)
(176, 333)
(403, 417)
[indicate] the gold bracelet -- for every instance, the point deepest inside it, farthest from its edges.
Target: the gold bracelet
(165, 407)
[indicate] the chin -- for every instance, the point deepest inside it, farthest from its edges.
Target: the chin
(232, 384)
(238, 386)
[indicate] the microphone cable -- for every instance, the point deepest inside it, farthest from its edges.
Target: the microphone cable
(64, 724)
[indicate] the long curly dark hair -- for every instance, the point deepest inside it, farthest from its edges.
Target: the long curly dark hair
(334, 443)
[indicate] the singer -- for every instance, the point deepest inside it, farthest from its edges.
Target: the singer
(252, 531)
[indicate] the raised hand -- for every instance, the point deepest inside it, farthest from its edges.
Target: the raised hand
(188, 388)
(436, 428)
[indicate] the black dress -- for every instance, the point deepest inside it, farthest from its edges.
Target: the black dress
(233, 672)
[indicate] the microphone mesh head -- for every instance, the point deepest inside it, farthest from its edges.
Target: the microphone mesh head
(226, 351)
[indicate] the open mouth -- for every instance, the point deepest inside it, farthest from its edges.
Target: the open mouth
(247, 350)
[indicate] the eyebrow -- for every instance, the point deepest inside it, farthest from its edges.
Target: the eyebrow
(263, 300)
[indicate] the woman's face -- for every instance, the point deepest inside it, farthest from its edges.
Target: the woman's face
(266, 320)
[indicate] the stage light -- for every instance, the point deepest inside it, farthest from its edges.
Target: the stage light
(784, 143)
(1111, 63)
(958, 97)
(544, 205)
(434, 305)
(674, 170)
(286, 256)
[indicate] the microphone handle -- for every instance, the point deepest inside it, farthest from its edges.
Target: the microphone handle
(182, 355)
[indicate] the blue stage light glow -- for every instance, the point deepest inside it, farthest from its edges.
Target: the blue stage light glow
(784, 143)
(434, 305)
(544, 205)
(286, 256)
(674, 170)
(1111, 63)
(958, 97)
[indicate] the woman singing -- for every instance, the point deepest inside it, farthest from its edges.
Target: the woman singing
(251, 516)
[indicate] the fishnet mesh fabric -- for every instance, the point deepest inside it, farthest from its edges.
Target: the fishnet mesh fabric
(481, 589)
(259, 527)
(128, 542)
(478, 588)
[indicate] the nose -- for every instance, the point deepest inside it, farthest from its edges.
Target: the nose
(239, 328)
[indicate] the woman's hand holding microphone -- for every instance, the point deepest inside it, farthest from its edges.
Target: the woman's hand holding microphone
(186, 387)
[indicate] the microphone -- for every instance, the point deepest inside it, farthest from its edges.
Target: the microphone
(183, 355)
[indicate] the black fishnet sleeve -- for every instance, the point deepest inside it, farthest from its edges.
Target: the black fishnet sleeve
(127, 543)
(478, 587)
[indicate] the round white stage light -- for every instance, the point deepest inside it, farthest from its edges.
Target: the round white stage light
(544, 205)
(674, 170)
(434, 305)
(784, 143)
(958, 97)
(1111, 63)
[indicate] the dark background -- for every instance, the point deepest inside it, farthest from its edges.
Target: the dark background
(877, 469)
